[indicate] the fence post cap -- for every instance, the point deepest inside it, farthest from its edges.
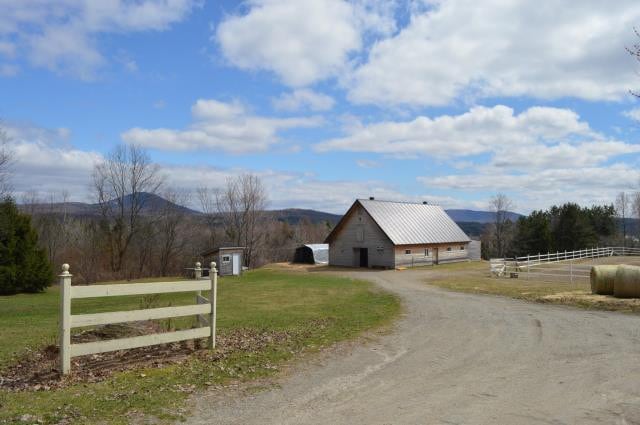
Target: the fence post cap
(198, 264)
(65, 270)
(213, 265)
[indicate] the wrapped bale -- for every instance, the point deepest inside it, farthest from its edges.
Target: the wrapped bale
(627, 282)
(602, 279)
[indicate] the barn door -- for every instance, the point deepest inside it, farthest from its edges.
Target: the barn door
(435, 255)
(364, 257)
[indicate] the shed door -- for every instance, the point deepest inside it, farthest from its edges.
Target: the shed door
(236, 264)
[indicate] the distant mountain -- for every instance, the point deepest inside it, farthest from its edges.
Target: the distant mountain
(296, 215)
(472, 222)
(152, 204)
(471, 228)
(478, 216)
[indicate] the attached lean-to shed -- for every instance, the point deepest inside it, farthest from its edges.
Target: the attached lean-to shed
(316, 253)
(396, 234)
(229, 260)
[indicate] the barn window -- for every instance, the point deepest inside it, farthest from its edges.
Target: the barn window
(226, 258)
(407, 251)
(426, 252)
(380, 249)
(461, 247)
(448, 248)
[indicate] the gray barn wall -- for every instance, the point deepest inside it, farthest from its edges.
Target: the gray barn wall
(341, 249)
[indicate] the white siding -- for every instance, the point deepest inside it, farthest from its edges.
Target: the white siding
(417, 255)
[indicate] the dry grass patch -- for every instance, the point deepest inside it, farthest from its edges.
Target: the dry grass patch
(475, 278)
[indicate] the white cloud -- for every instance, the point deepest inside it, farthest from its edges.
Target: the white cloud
(367, 163)
(219, 125)
(633, 114)
(7, 48)
(549, 134)
(61, 35)
(542, 188)
(44, 162)
(303, 98)
(301, 41)
(491, 48)
(9, 70)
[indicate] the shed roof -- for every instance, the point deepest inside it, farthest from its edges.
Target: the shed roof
(222, 248)
(407, 223)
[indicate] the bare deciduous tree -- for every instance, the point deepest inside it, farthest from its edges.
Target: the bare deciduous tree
(207, 200)
(6, 157)
(121, 186)
(623, 203)
(500, 205)
(169, 240)
(241, 206)
(50, 216)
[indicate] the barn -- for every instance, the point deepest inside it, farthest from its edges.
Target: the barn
(396, 234)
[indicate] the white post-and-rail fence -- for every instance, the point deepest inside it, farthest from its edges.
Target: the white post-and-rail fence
(544, 265)
(204, 308)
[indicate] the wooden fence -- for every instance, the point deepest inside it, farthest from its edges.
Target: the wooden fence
(556, 266)
(204, 308)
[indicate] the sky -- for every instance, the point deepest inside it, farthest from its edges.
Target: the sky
(448, 101)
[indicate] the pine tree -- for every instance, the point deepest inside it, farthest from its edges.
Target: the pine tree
(24, 267)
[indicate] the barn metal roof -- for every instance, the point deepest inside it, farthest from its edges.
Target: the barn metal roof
(408, 223)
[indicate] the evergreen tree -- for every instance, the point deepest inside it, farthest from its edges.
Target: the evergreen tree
(24, 266)
(533, 234)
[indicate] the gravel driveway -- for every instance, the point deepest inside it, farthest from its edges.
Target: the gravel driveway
(458, 359)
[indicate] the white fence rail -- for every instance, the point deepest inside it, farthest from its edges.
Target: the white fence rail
(204, 308)
(557, 265)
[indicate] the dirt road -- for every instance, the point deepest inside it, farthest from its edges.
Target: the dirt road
(459, 359)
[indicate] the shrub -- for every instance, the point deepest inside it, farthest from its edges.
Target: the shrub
(24, 266)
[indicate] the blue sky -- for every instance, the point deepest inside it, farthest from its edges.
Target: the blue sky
(328, 100)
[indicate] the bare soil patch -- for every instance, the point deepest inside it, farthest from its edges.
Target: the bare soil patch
(39, 369)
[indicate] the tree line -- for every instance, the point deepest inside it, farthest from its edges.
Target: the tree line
(566, 227)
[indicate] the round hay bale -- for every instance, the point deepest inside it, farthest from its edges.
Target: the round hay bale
(627, 282)
(602, 278)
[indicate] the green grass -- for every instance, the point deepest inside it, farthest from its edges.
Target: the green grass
(260, 299)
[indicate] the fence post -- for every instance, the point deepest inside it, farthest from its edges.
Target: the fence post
(213, 274)
(571, 270)
(198, 270)
(198, 275)
(65, 320)
(528, 265)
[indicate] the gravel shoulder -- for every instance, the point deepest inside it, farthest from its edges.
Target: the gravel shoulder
(456, 358)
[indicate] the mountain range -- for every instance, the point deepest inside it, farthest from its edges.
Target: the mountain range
(470, 220)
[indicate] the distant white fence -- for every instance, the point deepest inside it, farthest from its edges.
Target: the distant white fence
(556, 265)
(204, 308)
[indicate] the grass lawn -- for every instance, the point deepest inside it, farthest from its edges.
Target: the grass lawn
(474, 278)
(265, 300)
